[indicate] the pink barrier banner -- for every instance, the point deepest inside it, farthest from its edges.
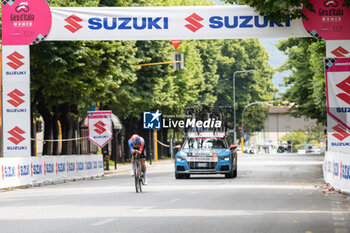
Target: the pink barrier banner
(330, 21)
(338, 89)
(25, 22)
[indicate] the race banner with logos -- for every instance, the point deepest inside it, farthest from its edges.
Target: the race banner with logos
(100, 127)
(37, 170)
(16, 101)
(338, 89)
(336, 170)
(167, 23)
(338, 103)
(338, 136)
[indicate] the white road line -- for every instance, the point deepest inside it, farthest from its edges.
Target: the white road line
(144, 209)
(102, 222)
(338, 219)
(341, 230)
(174, 200)
(339, 223)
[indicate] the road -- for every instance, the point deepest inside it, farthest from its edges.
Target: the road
(272, 194)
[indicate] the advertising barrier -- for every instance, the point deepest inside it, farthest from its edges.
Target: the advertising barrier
(336, 170)
(36, 170)
(167, 23)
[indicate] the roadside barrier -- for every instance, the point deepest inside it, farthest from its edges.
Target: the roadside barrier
(28, 171)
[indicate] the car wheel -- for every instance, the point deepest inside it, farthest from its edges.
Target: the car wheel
(178, 176)
(235, 173)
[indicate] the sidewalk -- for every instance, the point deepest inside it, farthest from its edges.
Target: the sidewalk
(124, 168)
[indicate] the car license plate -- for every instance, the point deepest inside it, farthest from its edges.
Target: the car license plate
(202, 165)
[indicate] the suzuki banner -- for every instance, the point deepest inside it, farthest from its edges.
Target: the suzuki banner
(338, 48)
(100, 127)
(338, 89)
(16, 101)
(337, 136)
(167, 23)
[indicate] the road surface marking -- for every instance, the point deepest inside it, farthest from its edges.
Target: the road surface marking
(341, 230)
(339, 223)
(175, 200)
(102, 222)
(145, 209)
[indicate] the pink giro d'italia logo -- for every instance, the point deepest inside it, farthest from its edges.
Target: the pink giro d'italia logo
(73, 23)
(100, 127)
(15, 61)
(341, 133)
(194, 25)
(25, 22)
(344, 86)
(16, 99)
(16, 135)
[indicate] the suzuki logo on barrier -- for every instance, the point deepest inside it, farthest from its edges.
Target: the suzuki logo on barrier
(194, 24)
(345, 86)
(15, 62)
(100, 127)
(73, 25)
(340, 52)
(15, 98)
(341, 133)
(16, 135)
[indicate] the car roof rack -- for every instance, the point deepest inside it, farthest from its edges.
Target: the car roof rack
(209, 114)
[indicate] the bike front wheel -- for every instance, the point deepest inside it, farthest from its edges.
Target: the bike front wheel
(138, 179)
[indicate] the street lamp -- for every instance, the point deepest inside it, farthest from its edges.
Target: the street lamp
(234, 101)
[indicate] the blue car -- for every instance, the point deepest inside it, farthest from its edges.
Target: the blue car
(205, 153)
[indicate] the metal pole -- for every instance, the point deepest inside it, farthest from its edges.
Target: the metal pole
(234, 102)
(172, 149)
(234, 108)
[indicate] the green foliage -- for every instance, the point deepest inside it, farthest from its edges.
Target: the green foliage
(240, 55)
(313, 135)
(306, 84)
(297, 137)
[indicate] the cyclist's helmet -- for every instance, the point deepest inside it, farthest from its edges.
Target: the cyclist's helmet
(136, 139)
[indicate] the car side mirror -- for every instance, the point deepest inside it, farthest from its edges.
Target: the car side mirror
(233, 147)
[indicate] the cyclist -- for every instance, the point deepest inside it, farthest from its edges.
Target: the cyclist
(136, 144)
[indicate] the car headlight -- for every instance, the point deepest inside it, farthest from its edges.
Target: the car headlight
(179, 158)
(226, 157)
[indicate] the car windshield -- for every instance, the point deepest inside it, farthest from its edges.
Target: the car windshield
(205, 143)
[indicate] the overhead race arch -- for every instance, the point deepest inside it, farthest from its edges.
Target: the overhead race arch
(28, 22)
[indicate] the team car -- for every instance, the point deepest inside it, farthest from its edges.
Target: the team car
(205, 153)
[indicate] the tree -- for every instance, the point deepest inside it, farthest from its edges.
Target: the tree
(306, 88)
(240, 55)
